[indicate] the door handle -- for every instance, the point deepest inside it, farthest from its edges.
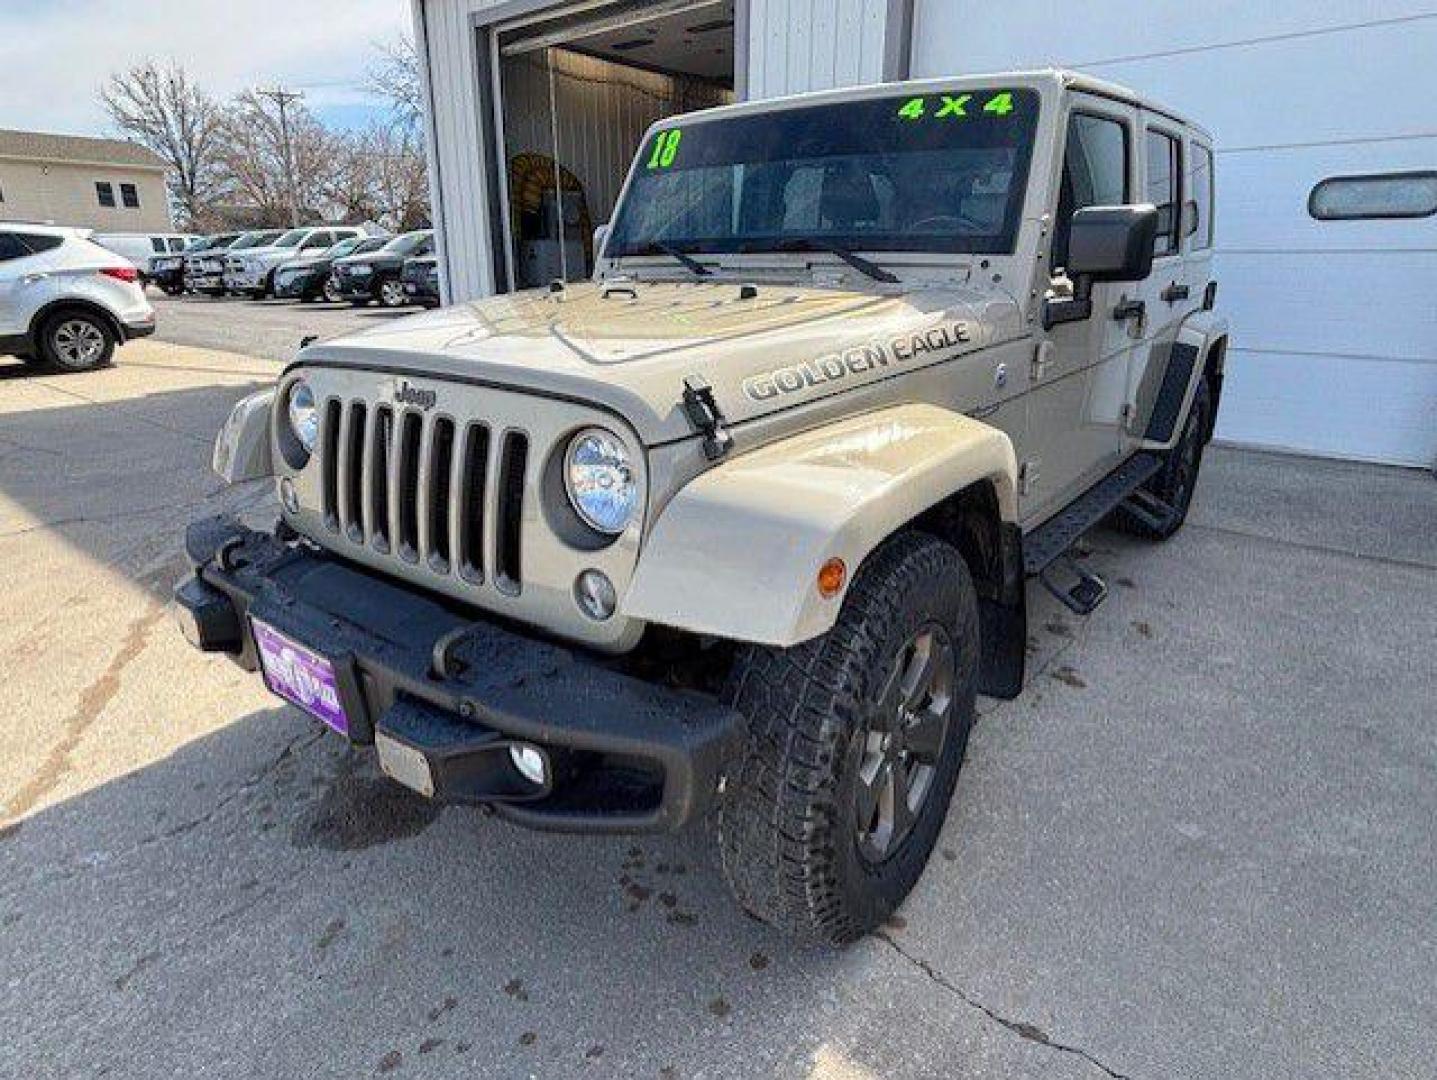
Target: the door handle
(1175, 292)
(1129, 309)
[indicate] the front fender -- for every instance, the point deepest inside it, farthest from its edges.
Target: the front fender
(242, 446)
(736, 553)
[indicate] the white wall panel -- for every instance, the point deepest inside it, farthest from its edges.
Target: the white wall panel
(1334, 329)
(798, 45)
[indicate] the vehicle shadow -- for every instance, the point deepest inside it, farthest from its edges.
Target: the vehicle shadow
(263, 892)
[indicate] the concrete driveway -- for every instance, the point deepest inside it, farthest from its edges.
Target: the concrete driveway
(1200, 844)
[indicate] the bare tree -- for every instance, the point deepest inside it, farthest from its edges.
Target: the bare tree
(395, 78)
(378, 174)
(252, 155)
(163, 109)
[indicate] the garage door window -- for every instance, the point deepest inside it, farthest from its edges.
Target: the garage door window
(1164, 168)
(1381, 195)
(1095, 173)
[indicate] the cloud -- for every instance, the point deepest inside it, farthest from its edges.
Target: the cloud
(54, 54)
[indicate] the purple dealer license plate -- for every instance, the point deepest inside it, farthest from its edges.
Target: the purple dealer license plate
(299, 675)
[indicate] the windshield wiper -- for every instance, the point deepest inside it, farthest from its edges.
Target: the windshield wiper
(858, 262)
(659, 247)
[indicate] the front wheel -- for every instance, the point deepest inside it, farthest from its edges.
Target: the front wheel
(853, 745)
(77, 341)
(391, 293)
(331, 290)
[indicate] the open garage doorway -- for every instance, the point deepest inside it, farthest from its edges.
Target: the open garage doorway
(575, 91)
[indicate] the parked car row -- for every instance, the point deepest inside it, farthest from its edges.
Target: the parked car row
(334, 263)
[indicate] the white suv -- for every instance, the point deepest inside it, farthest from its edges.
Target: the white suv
(65, 300)
(253, 271)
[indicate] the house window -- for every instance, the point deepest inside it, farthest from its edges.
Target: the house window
(1379, 195)
(130, 196)
(105, 192)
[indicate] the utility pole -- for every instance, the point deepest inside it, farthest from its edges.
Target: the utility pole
(283, 98)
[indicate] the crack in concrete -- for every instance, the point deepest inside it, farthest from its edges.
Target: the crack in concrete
(1029, 1032)
(93, 701)
(1316, 549)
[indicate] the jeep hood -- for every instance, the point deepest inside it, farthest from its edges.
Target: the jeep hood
(630, 346)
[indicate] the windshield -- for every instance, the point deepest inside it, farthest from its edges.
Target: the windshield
(344, 247)
(370, 243)
(934, 172)
(291, 238)
(409, 243)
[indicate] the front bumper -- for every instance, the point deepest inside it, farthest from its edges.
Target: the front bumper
(426, 682)
(353, 288)
(243, 280)
(289, 286)
(205, 281)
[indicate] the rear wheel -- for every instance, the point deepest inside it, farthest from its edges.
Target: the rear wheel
(77, 341)
(1175, 482)
(331, 290)
(854, 743)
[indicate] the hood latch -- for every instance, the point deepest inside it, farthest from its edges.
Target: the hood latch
(706, 417)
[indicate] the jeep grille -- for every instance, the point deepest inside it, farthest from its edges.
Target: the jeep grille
(424, 490)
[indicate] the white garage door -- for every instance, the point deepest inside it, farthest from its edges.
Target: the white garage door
(1334, 322)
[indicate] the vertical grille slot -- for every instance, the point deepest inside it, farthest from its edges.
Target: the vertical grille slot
(329, 462)
(473, 491)
(377, 476)
(410, 430)
(351, 510)
(441, 466)
(513, 462)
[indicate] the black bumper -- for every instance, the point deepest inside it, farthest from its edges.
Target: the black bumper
(421, 678)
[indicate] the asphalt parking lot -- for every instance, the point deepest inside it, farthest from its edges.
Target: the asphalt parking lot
(1200, 844)
(270, 329)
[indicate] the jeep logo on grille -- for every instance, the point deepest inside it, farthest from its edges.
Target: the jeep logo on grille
(406, 393)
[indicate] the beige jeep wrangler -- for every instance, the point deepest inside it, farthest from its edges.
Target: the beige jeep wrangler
(740, 528)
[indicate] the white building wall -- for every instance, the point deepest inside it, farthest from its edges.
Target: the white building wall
(1334, 331)
(797, 45)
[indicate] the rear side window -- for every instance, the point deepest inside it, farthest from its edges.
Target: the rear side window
(1380, 195)
(38, 242)
(1095, 173)
(1200, 203)
(105, 192)
(1164, 168)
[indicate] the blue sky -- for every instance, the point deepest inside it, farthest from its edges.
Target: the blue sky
(55, 53)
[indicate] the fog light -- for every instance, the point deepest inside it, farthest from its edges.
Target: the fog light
(288, 496)
(530, 763)
(595, 595)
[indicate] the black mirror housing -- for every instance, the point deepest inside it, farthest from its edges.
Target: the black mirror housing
(1112, 243)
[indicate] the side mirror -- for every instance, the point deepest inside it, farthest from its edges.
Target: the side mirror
(1105, 243)
(1112, 243)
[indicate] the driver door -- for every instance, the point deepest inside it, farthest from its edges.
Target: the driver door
(1080, 369)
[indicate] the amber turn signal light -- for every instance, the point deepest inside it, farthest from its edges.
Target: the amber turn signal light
(831, 576)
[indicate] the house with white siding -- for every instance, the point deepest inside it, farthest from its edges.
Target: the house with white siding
(1326, 167)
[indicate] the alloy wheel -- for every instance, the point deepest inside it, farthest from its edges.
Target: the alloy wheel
(78, 342)
(907, 725)
(391, 294)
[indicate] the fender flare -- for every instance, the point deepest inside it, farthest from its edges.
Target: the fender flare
(79, 303)
(242, 446)
(736, 552)
(1188, 362)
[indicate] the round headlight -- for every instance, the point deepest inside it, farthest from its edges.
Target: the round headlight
(303, 414)
(599, 478)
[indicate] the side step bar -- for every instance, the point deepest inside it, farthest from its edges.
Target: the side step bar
(1048, 544)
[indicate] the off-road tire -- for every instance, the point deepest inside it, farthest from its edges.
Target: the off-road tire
(787, 822)
(1176, 481)
(74, 339)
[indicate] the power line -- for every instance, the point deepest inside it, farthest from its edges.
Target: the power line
(283, 98)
